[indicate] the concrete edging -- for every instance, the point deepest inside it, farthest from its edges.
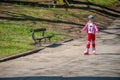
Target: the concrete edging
(20, 55)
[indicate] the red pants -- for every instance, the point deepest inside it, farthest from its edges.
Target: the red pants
(91, 37)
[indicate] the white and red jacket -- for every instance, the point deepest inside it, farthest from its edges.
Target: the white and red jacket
(90, 28)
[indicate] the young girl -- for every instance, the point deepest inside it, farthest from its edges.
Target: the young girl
(91, 29)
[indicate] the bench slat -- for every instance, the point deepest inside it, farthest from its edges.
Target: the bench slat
(40, 29)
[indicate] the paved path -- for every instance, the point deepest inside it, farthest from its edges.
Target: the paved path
(67, 59)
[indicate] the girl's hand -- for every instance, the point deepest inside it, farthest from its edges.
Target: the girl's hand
(97, 32)
(80, 31)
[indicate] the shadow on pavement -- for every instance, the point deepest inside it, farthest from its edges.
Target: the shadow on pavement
(54, 45)
(60, 78)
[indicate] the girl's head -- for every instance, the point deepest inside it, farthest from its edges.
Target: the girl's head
(91, 17)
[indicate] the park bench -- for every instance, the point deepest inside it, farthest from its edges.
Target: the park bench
(38, 35)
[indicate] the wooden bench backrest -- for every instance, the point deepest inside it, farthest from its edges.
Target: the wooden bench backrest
(41, 30)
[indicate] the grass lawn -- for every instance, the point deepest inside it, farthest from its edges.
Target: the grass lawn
(103, 2)
(14, 39)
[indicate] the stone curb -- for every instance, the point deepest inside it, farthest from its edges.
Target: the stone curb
(20, 55)
(28, 52)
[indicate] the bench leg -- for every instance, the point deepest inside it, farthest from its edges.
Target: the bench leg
(39, 42)
(49, 39)
(45, 40)
(35, 41)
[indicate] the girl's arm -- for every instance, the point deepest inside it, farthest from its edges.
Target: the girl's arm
(84, 28)
(96, 28)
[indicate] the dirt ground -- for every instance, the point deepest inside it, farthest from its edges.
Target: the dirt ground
(67, 59)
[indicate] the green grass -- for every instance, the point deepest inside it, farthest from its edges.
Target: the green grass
(16, 35)
(103, 2)
(14, 39)
(17, 38)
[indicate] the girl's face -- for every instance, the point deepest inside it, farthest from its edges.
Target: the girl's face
(91, 20)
